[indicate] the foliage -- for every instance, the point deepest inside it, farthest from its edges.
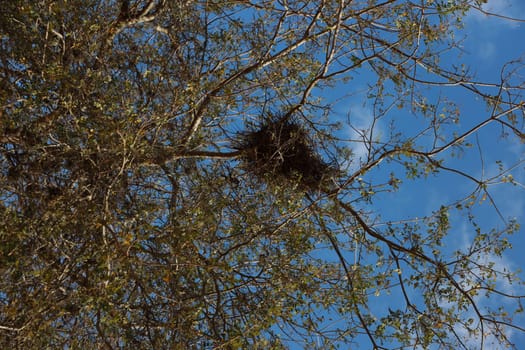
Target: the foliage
(131, 217)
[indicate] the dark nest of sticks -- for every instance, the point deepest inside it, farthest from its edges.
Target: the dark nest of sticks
(280, 149)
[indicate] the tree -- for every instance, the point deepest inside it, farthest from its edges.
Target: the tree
(174, 175)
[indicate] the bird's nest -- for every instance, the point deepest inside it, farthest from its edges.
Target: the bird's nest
(280, 149)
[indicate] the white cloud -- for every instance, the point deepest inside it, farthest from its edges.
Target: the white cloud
(362, 129)
(501, 264)
(486, 50)
(501, 8)
(485, 31)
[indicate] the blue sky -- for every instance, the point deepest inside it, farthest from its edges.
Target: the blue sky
(490, 43)
(487, 43)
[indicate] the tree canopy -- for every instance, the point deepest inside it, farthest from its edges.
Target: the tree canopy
(178, 174)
